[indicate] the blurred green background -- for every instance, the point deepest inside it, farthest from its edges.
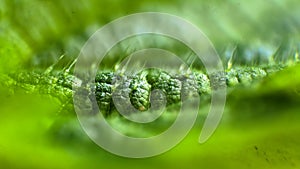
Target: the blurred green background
(261, 125)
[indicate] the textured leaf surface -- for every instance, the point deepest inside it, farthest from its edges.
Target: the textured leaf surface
(260, 128)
